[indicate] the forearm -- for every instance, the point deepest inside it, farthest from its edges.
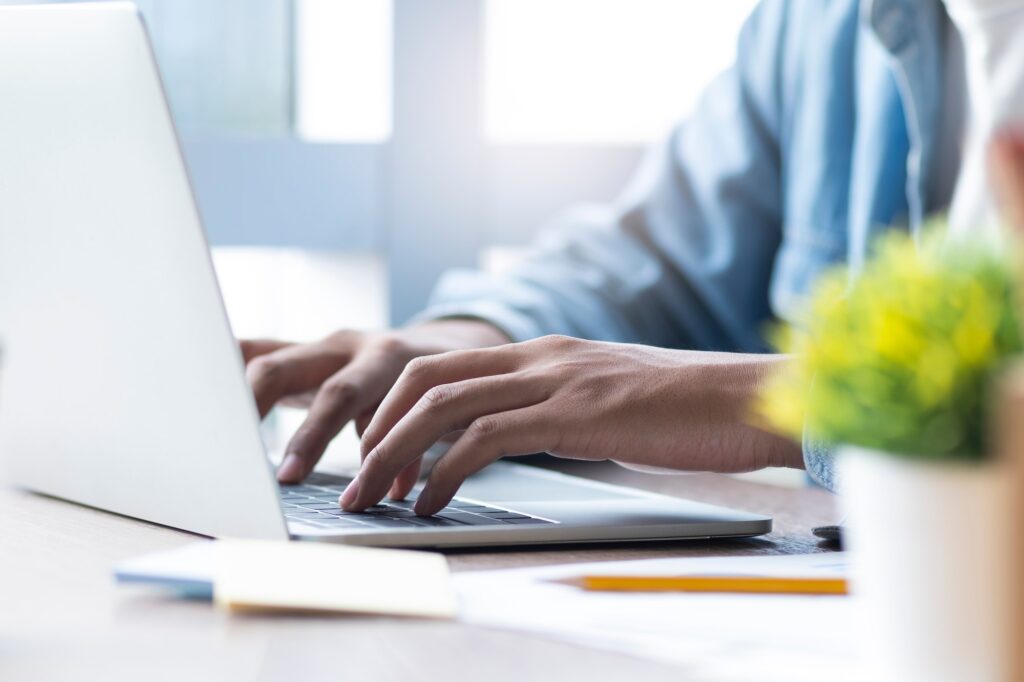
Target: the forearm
(712, 394)
(735, 384)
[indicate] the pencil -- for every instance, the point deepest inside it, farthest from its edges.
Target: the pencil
(708, 583)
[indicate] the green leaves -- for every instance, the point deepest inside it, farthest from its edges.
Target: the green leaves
(900, 357)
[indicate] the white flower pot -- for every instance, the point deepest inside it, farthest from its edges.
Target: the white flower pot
(932, 574)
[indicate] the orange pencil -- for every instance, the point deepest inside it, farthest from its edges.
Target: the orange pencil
(709, 583)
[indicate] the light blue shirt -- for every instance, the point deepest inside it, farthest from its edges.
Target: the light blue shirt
(822, 135)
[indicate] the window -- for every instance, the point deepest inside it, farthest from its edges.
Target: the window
(318, 69)
(343, 70)
(601, 71)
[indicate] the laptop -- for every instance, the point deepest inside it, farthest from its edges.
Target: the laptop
(123, 386)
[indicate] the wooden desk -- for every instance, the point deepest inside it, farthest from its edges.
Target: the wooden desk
(62, 617)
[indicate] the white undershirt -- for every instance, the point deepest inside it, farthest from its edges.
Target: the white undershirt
(991, 82)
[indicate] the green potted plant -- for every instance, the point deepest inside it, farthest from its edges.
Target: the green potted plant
(895, 366)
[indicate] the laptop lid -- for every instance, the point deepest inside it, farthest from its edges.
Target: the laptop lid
(123, 387)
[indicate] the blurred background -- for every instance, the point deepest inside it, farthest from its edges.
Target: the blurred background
(345, 152)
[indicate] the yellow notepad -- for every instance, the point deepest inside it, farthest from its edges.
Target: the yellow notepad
(312, 577)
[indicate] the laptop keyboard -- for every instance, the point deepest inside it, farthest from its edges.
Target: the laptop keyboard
(316, 502)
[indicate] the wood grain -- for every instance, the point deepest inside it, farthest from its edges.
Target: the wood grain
(62, 617)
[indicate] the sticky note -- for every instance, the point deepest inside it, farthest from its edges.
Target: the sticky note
(254, 575)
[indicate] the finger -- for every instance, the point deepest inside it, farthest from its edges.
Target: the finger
(424, 373)
(291, 371)
(441, 410)
(406, 480)
(518, 432)
(342, 397)
(410, 475)
(252, 348)
(300, 401)
(364, 419)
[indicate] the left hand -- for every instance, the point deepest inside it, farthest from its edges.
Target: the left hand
(572, 398)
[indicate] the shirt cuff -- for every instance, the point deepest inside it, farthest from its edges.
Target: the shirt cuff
(820, 460)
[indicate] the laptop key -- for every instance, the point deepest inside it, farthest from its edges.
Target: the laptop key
(469, 519)
(504, 515)
(384, 522)
(327, 481)
(306, 515)
(433, 522)
(319, 505)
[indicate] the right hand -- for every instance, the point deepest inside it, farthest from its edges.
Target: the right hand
(345, 377)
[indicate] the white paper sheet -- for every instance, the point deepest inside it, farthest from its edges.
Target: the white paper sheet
(273, 575)
(309, 576)
(711, 636)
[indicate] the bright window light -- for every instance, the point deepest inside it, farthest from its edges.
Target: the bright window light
(604, 71)
(343, 70)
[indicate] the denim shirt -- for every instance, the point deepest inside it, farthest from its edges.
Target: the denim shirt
(820, 136)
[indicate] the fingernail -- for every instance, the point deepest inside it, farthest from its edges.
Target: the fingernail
(350, 494)
(291, 469)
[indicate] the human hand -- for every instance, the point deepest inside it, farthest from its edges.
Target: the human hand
(343, 378)
(571, 398)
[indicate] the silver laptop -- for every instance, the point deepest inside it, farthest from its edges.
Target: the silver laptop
(123, 385)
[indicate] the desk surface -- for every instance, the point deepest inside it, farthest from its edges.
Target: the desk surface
(61, 616)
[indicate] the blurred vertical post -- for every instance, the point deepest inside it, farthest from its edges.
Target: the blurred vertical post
(1009, 445)
(1006, 173)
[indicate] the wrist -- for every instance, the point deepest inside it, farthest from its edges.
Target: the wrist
(727, 385)
(773, 449)
(448, 334)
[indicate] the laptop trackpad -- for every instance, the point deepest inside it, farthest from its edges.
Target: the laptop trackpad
(505, 482)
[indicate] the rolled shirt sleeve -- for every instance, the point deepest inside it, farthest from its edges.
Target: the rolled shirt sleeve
(819, 460)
